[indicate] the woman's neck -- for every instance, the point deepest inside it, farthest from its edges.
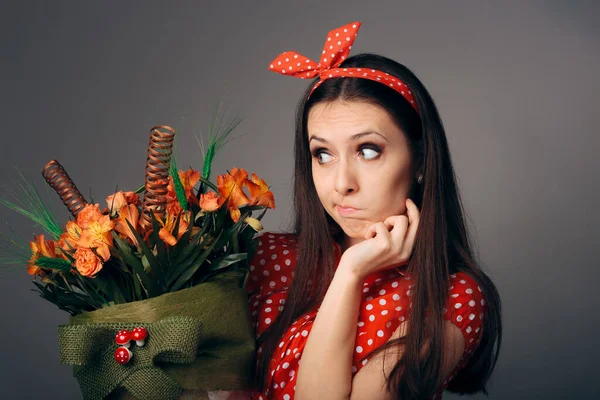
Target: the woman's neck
(349, 242)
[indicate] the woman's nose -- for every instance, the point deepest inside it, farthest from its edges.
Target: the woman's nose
(345, 180)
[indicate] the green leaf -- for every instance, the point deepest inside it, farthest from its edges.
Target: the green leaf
(57, 264)
(186, 257)
(231, 232)
(114, 291)
(183, 240)
(71, 302)
(140, 189)
(218, 133)
(254, 208)
(91, 287)
(187, 248)
(136, 289)
(209, 184)
(161, 248)
(177, 185)
(124, 251)
(226, 261)
(243, 273)
(249, 244)
(191, 270)
(152, 260)
(70, 257)
(31, 205)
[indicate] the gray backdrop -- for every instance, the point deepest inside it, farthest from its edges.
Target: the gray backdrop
(516, 84)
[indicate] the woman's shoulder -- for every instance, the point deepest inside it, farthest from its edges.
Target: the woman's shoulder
(462, 287)
(275, 248)
(271, 267)
(466, 308)
(273, 240)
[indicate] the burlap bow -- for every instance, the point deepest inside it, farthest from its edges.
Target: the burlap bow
(91, 346)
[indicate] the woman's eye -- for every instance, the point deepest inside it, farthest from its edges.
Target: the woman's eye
(369, 153)
(319, 154)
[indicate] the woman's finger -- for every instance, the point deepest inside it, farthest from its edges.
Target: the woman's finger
(382, 232)
(370, 233)
(399, 234)
(399, 225)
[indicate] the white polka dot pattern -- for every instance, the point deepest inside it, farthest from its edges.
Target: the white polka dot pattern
(384, 306)
(465, 309)
(336, 49)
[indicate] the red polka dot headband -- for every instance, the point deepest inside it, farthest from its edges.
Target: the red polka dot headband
(337, 47)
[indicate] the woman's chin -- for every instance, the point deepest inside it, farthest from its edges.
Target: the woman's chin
(356, 229)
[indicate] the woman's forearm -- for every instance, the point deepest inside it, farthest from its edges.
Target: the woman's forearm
(325, 370)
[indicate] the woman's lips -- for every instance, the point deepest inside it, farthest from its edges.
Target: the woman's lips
(344, 211)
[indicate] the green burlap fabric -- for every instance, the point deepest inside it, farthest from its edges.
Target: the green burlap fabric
(199, 339)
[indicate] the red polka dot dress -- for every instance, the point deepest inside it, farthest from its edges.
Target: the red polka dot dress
(386, 302)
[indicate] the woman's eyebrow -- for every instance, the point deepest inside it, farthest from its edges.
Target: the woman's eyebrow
(353, 137)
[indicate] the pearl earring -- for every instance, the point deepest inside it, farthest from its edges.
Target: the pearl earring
(420, 179)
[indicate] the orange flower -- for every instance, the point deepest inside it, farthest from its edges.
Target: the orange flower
(128, 213)
(89, 214)
(260, 193)
(209, 201)
(121, 199)
(69, 238)
(173, 207)
(39, 248)
(86, 262)
(240, 174)
(188, 179)
(230, 188)
(231, 185)
(235, 214)
(165, 232)
(132, 198)
(98, 236)
(195, 230)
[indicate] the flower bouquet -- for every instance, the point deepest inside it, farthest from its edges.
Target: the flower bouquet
(156, 285)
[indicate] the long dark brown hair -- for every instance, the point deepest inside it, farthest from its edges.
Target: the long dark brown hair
(442, 247)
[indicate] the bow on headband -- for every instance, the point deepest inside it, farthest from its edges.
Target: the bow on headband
(335, 51)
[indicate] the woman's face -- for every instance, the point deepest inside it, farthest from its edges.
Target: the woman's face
(361, 160)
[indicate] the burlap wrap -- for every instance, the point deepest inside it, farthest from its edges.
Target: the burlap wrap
(200, 339)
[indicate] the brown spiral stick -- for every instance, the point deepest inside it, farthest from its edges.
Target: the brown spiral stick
(59, 180)
(157, 174)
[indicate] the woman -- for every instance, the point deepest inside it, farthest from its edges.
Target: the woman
(370, 298)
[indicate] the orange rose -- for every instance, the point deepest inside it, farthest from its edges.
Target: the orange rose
(89, 214)
(209, 201)
(98, 236)
(132, 198)
(86, 262)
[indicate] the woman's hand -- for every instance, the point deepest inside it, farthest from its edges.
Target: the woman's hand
(387, 244)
